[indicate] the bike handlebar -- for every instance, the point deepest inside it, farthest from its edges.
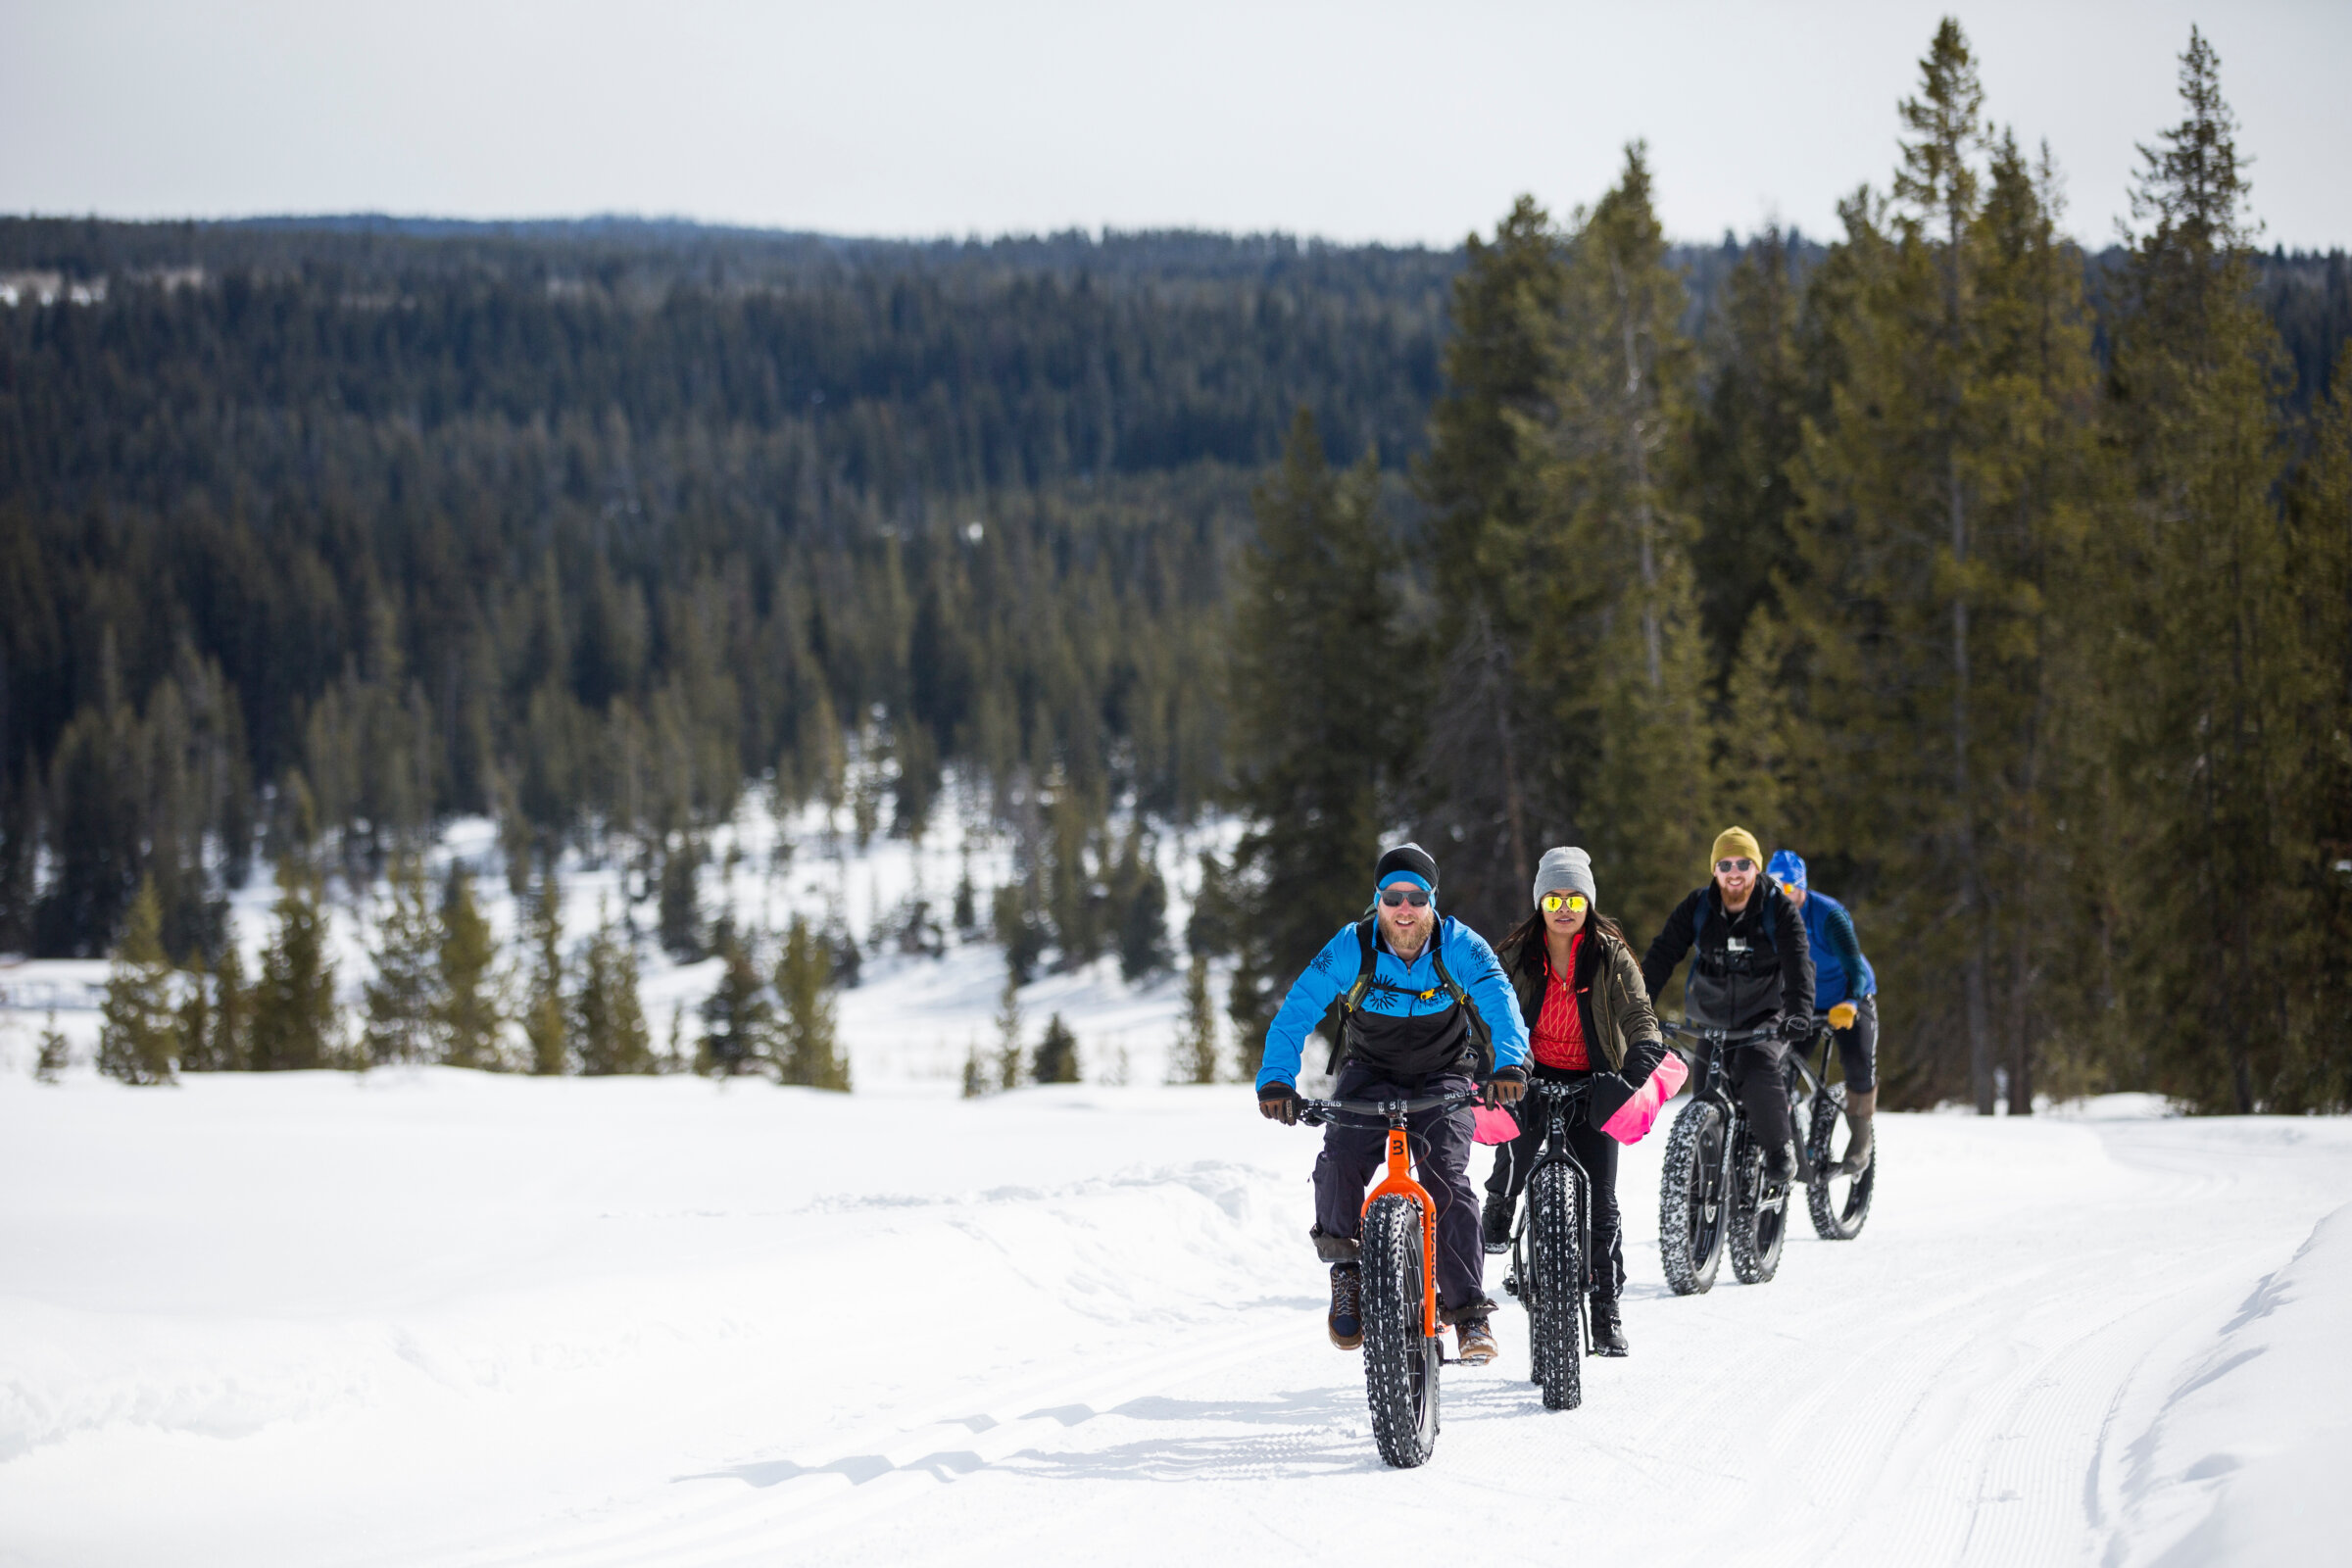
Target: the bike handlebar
(1314, 1113)
(1719, 1037)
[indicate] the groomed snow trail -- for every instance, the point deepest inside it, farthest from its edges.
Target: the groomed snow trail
(433, 1318)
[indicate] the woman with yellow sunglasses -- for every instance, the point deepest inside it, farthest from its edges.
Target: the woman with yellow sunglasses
(1589, 1014)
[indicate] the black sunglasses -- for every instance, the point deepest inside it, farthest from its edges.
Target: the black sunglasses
(1393, 896)
(1742, 864)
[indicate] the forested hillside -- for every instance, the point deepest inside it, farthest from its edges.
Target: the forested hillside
(314, 533)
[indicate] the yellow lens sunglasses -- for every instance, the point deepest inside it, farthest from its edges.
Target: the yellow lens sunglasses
(1574, 903)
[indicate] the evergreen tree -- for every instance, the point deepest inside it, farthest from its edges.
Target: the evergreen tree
(197, 1037)
(1484, 735)
(469, 1016)
(810, 1052)
(681, 912)
(55, 1056)
(607, 1016)
(405, 998)
(1139, 901)
(1323, 688)
(1195, 1060)
(544, 1023)
(738, 1019)
(2201, 669)
(139, 1040)
(295, 1025)
(1008, 1036)
(2323, 556)
(226, 1038)
(1056, 1059)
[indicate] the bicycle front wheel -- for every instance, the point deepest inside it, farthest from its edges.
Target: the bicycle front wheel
(1400, 1352)
(1839, 1204)
(1759, 1224)
(1555, 1286)
(1693, 1205)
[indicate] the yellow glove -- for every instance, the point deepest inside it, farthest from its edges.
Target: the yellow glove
(1843, 1015)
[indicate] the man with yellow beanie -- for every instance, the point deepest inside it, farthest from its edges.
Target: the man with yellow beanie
(1751, 969)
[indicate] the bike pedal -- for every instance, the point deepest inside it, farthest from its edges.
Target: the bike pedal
(1496, 1250)
(1510, 1285)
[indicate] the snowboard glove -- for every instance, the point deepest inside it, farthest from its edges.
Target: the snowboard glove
(1279, 1101)
(1508, 1087)
(1607, 1097)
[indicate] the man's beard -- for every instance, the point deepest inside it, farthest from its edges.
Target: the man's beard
(1417, 938)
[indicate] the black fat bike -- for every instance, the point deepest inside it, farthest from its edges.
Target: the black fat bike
(1713, 1197)
(1552, 1251)
(1403, 1342)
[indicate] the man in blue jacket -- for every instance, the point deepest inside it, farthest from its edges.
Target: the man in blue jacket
(1434, 1014)
(1846, 990)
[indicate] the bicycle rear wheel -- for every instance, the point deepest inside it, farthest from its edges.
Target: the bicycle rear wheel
(1693, 1205)
(1837, 1205)
(1555, 1286)
(1759, 1226)
(1400, 1354)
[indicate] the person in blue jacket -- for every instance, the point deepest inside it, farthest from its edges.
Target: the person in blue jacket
(1433, 1016)
(1845, 989)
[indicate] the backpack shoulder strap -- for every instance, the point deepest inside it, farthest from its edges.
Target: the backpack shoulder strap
(1349, 1000)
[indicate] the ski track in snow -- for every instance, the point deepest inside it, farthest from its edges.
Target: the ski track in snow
(440, 1319)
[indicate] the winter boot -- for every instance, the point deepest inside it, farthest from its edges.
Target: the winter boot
(1779, 1163)
(1858, 1111)
(1608, 1333)
(1346, 1305)
(1476, 1342)
(1494, 1222)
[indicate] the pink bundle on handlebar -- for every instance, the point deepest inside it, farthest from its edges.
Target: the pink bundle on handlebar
(1639, 1114)
(1492, 1126)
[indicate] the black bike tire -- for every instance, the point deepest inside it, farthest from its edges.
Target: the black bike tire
(1688, 1274)
(1758, 1230)
(1400, 1376)
(1555, 1304)
(1844, 1222)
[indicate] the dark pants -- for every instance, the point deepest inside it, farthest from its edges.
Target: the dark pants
(1594, 1149)
(1355, 1157)
(1756, 1074)
(1858, 1046)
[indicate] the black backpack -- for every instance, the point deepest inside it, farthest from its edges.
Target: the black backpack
(1368, 962)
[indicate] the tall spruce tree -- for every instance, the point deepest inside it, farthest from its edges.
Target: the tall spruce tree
(545, 1019)
(738, 1018)
(1195, 1059)
(1324, 688)
(1056, 1059)
(2323, 555)
(607, 1016)
(809, 1046)
(1939, 501)
(138, 1038)
(296, 1024)
(1484, 729)
(2201, 668)
(1617, 655)
(404, 999)
(470, 1017)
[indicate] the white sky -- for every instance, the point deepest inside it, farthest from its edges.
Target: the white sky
(1362, 120)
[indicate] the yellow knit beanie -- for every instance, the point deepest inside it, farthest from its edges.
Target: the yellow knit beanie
(1734, 841)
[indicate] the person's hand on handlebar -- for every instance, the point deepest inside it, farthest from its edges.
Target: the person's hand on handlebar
(1279, 1101)
(1507, 1088)
(1796, 1027)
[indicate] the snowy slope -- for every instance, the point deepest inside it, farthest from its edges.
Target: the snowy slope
(427, 1318)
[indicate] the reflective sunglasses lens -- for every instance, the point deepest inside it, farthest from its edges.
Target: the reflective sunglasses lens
(1744, 863)
(1393, 896)
(1574, 903)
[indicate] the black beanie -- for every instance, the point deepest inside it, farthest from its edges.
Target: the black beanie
(1407, 858)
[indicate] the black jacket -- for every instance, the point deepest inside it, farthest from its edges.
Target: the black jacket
(1750, 968)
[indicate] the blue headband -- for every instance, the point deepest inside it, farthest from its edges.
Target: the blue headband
(1405, 876)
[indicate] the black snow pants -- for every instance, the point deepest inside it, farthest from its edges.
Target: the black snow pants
(1858, 1046)
(1594, 1149)
(1355, 1157)
(1757, 1074)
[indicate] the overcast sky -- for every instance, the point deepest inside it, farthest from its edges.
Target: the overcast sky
(1356, 122)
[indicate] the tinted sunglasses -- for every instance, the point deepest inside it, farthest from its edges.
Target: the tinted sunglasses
(1574, 903)
(1742, 864)
(1393, 896)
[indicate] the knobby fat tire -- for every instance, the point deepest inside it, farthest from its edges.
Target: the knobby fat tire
(1404, 1417)
(1833, 1221)
(1757, 1229)
(1556, 1312)
(1680, 1194)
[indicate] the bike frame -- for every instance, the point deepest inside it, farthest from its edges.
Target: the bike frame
(1556, 1098)
(1400, 1181)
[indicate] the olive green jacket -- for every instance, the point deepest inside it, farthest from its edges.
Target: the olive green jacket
(1613, 1003)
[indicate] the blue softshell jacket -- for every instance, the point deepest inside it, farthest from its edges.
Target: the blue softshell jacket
(1417, 991)
(1839, 970)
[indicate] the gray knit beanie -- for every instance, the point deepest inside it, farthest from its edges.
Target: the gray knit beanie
(1566, 869)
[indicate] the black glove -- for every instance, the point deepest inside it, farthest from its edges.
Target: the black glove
(1508, 1087)
(1796, 1027)
(1607, 1096)
(1279, 1101)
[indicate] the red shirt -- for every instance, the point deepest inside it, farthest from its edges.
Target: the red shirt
(1559, 1035)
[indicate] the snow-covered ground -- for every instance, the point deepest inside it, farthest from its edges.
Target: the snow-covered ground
(427, 1318)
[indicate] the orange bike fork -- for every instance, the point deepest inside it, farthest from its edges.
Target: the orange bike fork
(1400, 1181)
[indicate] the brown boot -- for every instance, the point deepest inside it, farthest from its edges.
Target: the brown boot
(1858, 1109)
(1477, 1342)
(1346, 1320)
